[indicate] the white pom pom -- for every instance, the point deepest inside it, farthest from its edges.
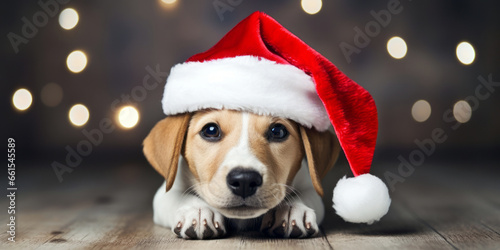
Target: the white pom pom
(362, 199)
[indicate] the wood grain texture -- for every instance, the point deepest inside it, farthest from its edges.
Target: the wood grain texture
(431, 210)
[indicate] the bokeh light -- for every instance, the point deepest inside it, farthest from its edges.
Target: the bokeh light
(68, 18)
(168, 1)
(76, 61)
(22, 99)
(128, 117)
(396, 47)
(462, 111)
(168, 4)
(311, 7)
(465, 53)
(51, 95)
(421, 110)
(79, 115)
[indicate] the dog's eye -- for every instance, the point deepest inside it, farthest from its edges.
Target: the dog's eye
(277, 133)
(210, 132)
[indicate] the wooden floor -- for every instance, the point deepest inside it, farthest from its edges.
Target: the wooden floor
(438, 207)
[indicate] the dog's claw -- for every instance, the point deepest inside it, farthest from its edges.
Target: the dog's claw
(177, 229)
(309, 229)
(220, 232)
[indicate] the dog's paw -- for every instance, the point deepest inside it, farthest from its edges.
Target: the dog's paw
(199, 223)
(290, 221)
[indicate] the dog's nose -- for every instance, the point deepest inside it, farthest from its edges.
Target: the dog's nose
(243, 182)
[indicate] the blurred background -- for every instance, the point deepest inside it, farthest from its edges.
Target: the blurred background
(88, 76)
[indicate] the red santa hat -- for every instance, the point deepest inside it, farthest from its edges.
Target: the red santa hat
(261, 67)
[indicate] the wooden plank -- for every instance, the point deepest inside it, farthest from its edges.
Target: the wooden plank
(43, 213)
(457, 206)
(73, 214)
(397, 230)
(256, 241)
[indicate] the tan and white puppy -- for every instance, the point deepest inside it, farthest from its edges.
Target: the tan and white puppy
(224, 166)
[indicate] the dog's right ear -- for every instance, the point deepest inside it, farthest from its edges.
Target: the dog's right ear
(164, 144)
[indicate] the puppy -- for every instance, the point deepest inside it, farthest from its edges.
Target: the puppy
(224, 166)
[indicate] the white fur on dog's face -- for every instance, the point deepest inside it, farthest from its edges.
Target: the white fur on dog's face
(243, 144)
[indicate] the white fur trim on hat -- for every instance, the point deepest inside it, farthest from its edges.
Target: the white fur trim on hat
(245, 83)
(362, 199)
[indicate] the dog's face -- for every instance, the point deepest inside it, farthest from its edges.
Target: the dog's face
(242, 163)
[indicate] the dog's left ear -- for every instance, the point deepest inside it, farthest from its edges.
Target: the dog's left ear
(322, 150)
(164, 144)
